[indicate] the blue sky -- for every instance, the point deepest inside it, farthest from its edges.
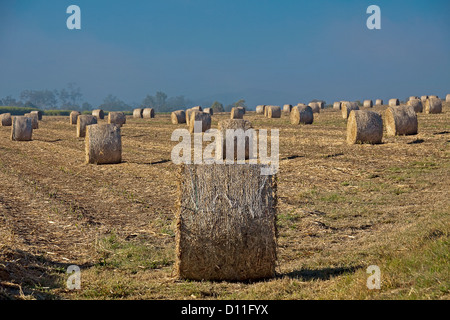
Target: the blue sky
(264, 51)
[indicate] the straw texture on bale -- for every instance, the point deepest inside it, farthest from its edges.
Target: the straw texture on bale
(423, 98)
(118, 118)
(137, 113)
(274, 112)
(368, 104)
(433, 105)
(348, 106)
(394, 102)
(401, 120)
(364, 126)
(205, 118)
(379, 102)
(315, 107)
(209, 110)
(236, 113)
(148, 113)
(287, 108)
(260, 109)
(5, 120)
(301, 114)
(34, 120)
(321, 104)
(73, 117)
(103, 144)
(233, 124)
(39, 114)
(413, 98)
(416, 104)
(197, 108)
(83, 121)
(447, 98)
(22, 128)
(225, 223)
(178, 117)
(434, 97)
(99, 114)
(337, 105)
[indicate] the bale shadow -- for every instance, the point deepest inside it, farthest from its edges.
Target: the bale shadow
(320, 274)
(417, 141)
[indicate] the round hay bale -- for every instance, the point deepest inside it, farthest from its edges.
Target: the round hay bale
(22, 128)
(178, 117)
(364, 126)
(34, 120)
(260, 109)
(315, 106)
(103, 144)
(205, 118)
(394, 102)
(137, 113)
(209, 110)
(274, 112)
(447, 98)
(337, 105)
(226, 226)
(423, 98)
(401, 120)
(236, 113)
(39, 113)
(416, 104)
(321, 104)
(368, 104)
(433, 105)
(5, 120)
(197, 108)
(348, 106)
(99, 114)
(434, 97)
(302, 114)
(83, 121)
(117, 117)
(233, 124)
(413, 98)
(148, 113)
(73, 117)
(379, 102)
(287, 108)
(242, 110)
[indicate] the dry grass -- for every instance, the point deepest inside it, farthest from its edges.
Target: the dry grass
(341, 208)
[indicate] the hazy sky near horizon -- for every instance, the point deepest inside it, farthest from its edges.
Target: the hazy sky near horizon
(264, 51)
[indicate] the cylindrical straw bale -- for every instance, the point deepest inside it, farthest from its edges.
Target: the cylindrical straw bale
(83, 121)
(39, 114)
(242, 110)
(197, 116)
(368, 104)
(303, 114)
(148, 113)
(22, 128)
(274, 112)
(34, 120)
(337, 105)
(287, 108)
(178, 117)
(73, 117)
(447, 98)
(348, 106)
(379, 102)
(260, 109)
(247, 139)
(416, 104)
(197, 108)
(5, 120)
(433, 105)
(423, 98)
(315, 107)
(117, 117)
(103, 144)
(434, 97)
(394, 102)
(236, 113)
(401, 120)
(209, 110)
(99, 114)
(364, 126)
(137, 113)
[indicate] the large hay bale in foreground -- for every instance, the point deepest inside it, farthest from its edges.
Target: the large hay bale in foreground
(137, 113)
(117, 117)
(226, 223)
(274, 112)
(364, 126)
(287, 108)
(39, 114)
(148, 113)
(22, 128)
(73, 117)
(236, 113)
(205, 119)
(234, 124)
(379, 102)
(301, 114)
(433, 105)
(401, 120)
(394, 102)
(368, 104)
(83, 121)
(337, 105)
(103, 144)
(348, 106)
(315, 106)
(178, 117)
(99, 114)
(416, 104)
(34, 120)
(260, 109)
(5, 120)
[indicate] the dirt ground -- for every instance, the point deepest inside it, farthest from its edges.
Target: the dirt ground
(341, 208)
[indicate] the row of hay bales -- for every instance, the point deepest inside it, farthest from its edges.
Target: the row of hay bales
(21, 126)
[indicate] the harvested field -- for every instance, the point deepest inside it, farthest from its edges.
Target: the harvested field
(340, 207)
